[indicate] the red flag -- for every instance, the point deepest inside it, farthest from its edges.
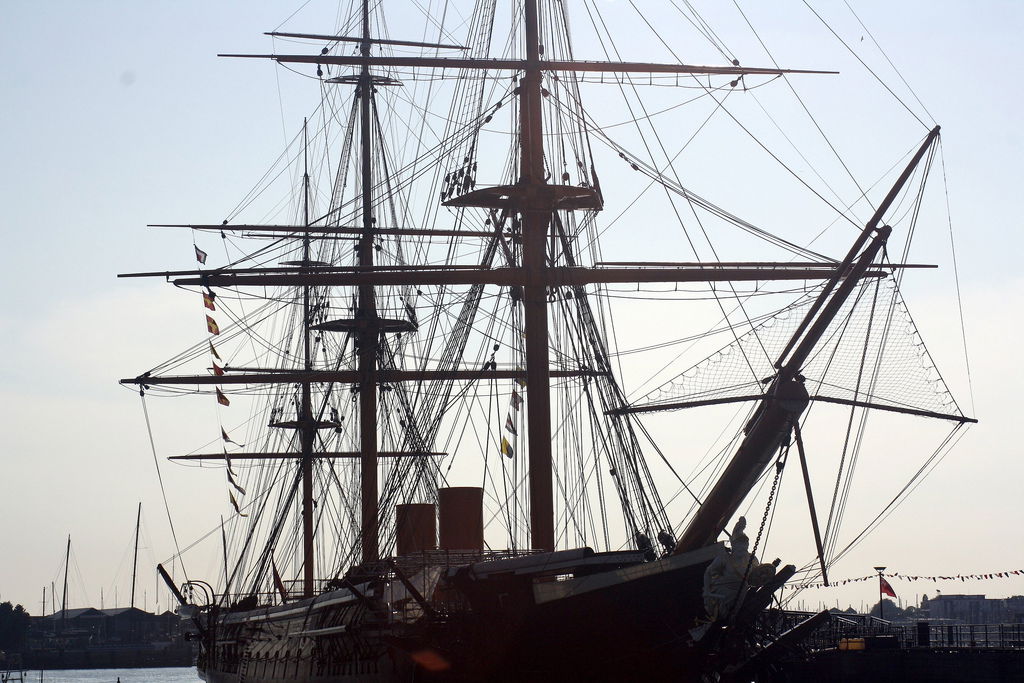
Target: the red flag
(278, 583)
(211, 325)
(214, 352)
(885, 588)
(208, 301)
(200, 254)
(221, 398)
(218, 370)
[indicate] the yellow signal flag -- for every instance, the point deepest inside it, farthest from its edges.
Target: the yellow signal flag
(506, 448)
(234, 504)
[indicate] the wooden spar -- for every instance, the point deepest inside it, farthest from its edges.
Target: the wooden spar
(506, 277)
(135, 556)
(372, 41)
(681, 405)
(295, 456)
(787, 398)
(384, 376)
(537, 65)
(669, 269)
(366, 307)
(810, 499)
(894, 409)
(307, 430)
(316, 230)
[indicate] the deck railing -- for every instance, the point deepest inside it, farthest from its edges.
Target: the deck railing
(930, 634)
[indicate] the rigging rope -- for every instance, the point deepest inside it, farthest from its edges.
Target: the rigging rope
(160, 478)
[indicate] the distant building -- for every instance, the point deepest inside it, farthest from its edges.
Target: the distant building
(975, 609)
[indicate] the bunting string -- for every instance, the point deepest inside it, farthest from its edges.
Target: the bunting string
(209, 303)
(511, 420)
(913, 577)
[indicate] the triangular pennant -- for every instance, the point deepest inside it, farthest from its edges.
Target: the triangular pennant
(221, 398)
(227, 439)
(214, 352)
(234, 504)
(217, 370)
(231, 480)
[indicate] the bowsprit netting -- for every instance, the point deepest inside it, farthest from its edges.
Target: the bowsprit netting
(871, 353)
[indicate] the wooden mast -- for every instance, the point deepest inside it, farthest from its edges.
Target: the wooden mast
(536, 217)
(366, 309)
(307, 426)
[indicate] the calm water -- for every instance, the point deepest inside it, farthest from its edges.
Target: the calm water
(165, 675)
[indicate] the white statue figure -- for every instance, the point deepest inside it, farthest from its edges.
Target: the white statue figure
(728, 576)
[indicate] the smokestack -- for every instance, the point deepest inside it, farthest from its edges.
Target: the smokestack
(417, 528)
(461, 511)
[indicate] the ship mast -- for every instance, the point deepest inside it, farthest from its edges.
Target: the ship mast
(536, 215)
(307, 426)
(366, 309)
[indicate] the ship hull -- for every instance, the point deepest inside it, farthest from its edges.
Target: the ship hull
(621, 624)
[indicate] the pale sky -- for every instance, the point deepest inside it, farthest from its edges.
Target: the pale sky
(117, 114)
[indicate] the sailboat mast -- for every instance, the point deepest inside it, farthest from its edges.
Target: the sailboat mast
(366, 310)
(307, 427)
(64, 598)
(536, 217)
(135, 557)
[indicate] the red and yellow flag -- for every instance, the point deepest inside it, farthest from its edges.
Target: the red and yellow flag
(211, 325)
(208, 301)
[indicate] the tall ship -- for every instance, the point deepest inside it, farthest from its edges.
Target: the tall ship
(447, 473)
